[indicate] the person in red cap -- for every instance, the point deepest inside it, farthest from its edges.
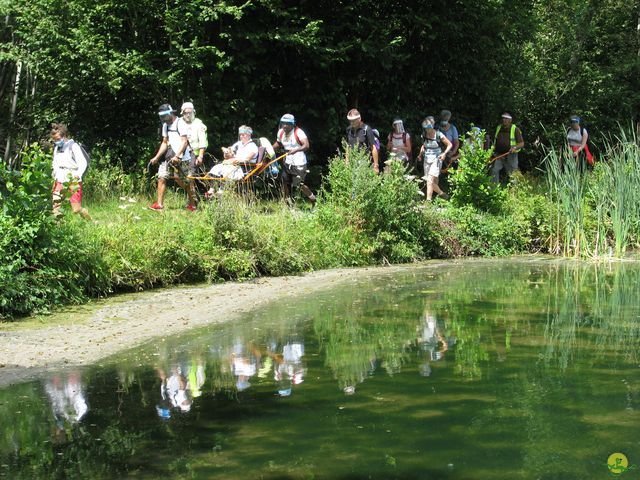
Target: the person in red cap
(359, 134)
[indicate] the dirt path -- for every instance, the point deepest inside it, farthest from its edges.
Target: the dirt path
(71, 339)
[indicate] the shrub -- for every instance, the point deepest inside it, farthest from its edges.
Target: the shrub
(471, 184)
(44, 263)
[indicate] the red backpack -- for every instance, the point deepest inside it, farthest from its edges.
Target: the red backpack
(295, 135)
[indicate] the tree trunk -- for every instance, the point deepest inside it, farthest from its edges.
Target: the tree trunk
(14, 103)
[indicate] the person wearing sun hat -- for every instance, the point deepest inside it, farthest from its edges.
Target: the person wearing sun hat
(197, 135)
(175, 154)
(360, 134)
(507, 142)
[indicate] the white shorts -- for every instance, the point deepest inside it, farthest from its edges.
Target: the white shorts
(432, 166)
(226, 171)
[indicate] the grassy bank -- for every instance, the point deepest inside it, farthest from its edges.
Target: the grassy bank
(361, 219)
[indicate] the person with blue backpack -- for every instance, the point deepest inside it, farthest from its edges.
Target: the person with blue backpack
(293, 140)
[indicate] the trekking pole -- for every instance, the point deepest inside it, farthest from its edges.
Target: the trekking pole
(491, 160)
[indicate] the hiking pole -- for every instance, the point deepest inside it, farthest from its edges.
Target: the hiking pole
(491, 160)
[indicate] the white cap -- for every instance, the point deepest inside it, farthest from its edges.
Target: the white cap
(506, 115)
(186, 105)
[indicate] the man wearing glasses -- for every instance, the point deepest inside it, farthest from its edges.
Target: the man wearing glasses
(176, 155)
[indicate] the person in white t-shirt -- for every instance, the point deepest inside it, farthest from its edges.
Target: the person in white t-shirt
(176, 156)
(197, 135)
(243, 152)
(295, 142)
(69, 165)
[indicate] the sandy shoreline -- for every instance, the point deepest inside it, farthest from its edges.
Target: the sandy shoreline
(116, 326)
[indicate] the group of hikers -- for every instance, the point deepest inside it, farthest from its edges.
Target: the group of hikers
(180, 156)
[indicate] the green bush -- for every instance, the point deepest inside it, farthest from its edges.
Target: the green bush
(384, 209)
(43, 263)
(470, 182)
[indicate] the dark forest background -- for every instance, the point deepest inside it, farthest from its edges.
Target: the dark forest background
(104, 66)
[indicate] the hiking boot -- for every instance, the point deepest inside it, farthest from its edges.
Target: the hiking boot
(444, 196)
(191, 208)
(157, 207)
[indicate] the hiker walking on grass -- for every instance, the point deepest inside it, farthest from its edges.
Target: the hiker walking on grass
(399, 142)
(197, 136)
(359, 134)
(176, 156)
(69, 165)
(451, 132)
(433, 156)
(294, 141)
(577, 137)
(506, 145)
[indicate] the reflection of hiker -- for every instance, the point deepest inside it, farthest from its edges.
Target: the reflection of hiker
(69, 165)
(577, 136)
(174, 392)
(359, 134)
(507, 142)
(431, 342)
(67, 399)
(245, 361)
(294, 141)
(289, 369)
(176, 156)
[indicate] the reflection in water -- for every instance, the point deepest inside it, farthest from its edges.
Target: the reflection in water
(175, 392)
(431, 342)
(67, 399)
(245, 362)
(289, 370)
(522, 361)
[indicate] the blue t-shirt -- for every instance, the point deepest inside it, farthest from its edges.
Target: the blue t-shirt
(451, 134)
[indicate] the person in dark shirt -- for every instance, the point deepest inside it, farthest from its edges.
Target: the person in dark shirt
(359, 134)
(507, 142)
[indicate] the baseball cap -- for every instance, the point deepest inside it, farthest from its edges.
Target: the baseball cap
(288, 118)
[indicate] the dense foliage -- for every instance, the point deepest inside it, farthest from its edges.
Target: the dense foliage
(361, 219)
(104, 66)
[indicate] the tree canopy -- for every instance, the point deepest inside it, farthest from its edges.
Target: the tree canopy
(103, 66)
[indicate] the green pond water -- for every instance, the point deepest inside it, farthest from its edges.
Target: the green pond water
(471, 370)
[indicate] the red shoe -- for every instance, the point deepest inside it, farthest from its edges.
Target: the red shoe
(157, 207)
(191, 208)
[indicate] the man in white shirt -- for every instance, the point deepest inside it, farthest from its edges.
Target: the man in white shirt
(295, 142)
(243, 152)
(69, 165)
(176, 155)
(197, 135)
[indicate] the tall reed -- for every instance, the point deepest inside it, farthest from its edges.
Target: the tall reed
(598, 213)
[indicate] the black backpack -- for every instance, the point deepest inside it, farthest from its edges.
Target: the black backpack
(84, 152)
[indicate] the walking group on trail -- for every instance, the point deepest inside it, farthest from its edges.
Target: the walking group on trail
(181, 154)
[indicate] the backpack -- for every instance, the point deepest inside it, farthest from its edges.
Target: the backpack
(404, 138)
(83, 149)
(366, 137)
(295, 135)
